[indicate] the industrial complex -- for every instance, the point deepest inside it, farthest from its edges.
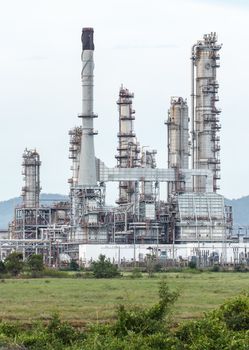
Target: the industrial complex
(192, 220)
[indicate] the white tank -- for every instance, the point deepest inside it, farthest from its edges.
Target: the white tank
(205, 115)
(178, 134)
(31, 171)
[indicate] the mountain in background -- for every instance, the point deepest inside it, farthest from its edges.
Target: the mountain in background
(240, 208)
(7, 207)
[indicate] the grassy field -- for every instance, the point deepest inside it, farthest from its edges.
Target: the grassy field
(82, 300)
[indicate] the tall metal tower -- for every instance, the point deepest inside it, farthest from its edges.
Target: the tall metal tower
(87, 167)
(86, 194)
(31, 171)
(74, 154)
(178, 141)
(205, 114)
(128, 147)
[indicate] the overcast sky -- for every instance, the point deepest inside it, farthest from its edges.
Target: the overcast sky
(143, 44)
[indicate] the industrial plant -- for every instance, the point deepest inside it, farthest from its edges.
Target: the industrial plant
(192, 218)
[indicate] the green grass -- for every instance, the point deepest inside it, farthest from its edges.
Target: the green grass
(82, 300)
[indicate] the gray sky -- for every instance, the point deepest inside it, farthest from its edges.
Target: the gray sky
(143, 44)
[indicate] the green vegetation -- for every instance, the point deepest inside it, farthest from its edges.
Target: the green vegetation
(35, 265)
(83, 300)
(14, 263)
(136, 328)
(103, 268)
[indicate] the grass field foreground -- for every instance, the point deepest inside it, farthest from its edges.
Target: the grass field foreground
(80, 301)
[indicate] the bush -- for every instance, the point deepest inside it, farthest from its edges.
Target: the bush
(55, 273)
(240, 268)
(235, 313)
(2, 267)
(147, 321)
(215, 268)
(225, 328)
(14, 263)
(35, 265)
(192, 264)
(103, 268)
(147, 329)
(73, 266)
(63, 331)
(136, 273)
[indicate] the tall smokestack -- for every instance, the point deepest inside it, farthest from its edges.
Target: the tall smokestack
(87, 167)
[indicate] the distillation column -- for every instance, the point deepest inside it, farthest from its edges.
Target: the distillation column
(147, 201)
(128, 147)
(205, 115)
(74, 155)
(31, 171)
(178, 141)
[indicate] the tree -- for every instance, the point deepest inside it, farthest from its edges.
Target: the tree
(74, 266)
(35, 264)
(14, 263)
(103, 268)
(2, 267)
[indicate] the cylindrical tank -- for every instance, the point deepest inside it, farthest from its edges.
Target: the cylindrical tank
(74, 153)
(178, 134)
(31, 171)
(128, 147)
(178, 142)
(205, 123)
(148, 161)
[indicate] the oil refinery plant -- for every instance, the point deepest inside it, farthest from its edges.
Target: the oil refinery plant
(193, 215)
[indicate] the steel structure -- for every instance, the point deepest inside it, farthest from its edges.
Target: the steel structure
(31, 219)
(87, 196)
(192, 212)
(205, 114)
(149, 193)
(128, 147)
(178, 142)
(31, 171)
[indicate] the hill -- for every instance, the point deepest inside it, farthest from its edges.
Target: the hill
(240, 210)
(7, 207)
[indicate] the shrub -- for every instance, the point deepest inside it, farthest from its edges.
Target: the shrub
(2, 267)
(103, 268)
(14, 263)
(136, 273)
(35, 265)
(73, 266)
(192, 264)
(215, 268)
(62, 331)
(235, 313)
(55, 273)
(147, 321)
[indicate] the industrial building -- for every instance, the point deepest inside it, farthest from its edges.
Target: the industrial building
(193, 213)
